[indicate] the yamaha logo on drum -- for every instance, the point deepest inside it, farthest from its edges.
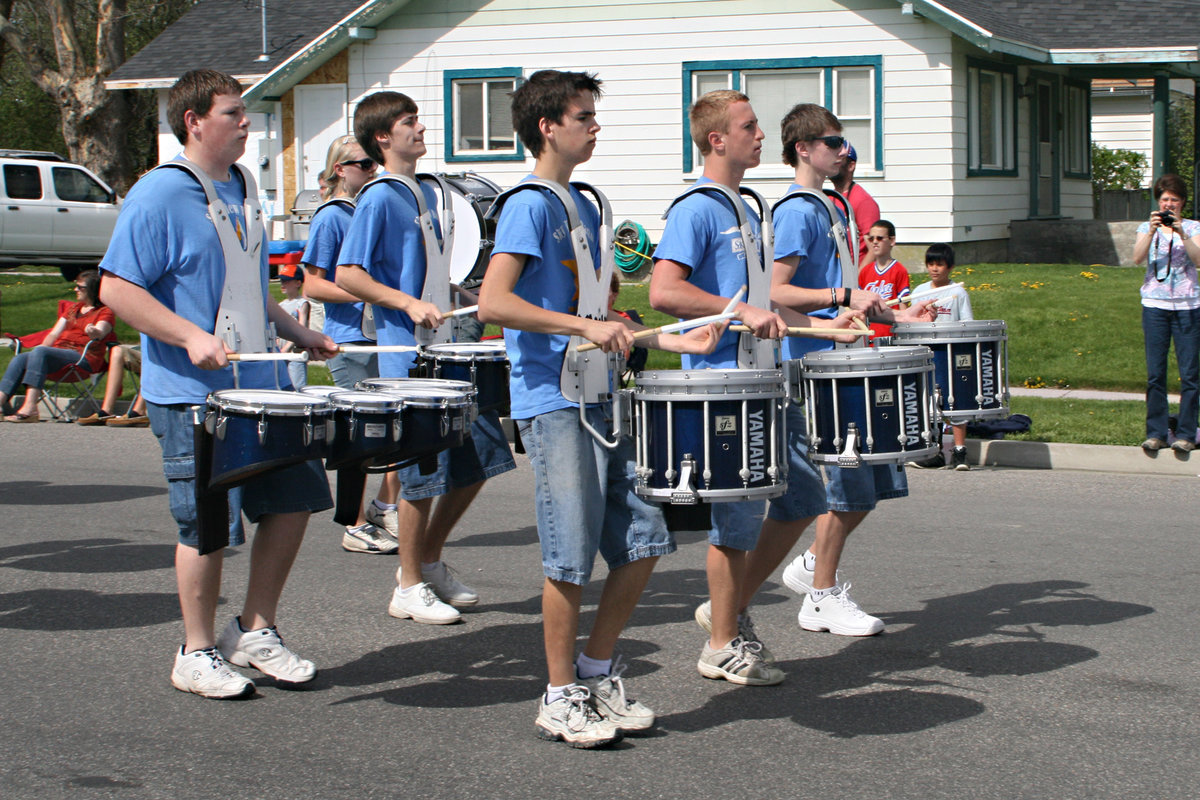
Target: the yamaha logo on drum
(885, 397)
(912, 413)
(988, 383)
(757, 449)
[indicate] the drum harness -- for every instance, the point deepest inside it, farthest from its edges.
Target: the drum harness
(587, 377)
(752, 352)
(436, 289)
(366, 325)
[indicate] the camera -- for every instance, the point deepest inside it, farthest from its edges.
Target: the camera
(1166, 218)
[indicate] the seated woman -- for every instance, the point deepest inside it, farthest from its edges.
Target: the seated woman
(120, 358)
(85, 321)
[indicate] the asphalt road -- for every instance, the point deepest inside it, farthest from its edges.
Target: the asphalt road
(1040, 643)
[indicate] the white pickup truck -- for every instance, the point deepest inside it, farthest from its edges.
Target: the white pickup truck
(53, 212)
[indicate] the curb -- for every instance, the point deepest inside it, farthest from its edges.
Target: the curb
(1084, 457)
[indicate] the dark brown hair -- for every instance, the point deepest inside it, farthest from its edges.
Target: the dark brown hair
(377, 113)
(804, 123)
(194, 91)
(546, 94)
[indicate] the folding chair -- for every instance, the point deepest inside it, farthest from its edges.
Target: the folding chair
(68, 407)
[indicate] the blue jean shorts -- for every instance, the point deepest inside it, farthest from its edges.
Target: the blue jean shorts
(805, 495)
(347, 369)
(860, 488)
(484, 455)
(302, 487)
(585, 497)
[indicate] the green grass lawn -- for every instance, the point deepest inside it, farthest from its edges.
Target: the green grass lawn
(1068, 326)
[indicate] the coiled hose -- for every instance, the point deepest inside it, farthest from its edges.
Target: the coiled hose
(633, 246)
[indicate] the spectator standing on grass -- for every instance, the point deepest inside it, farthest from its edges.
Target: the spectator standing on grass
(291, 282)
(1170, 246)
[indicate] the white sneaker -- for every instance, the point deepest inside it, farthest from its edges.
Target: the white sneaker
(421, 604)
(265, 651)
(447, 587)
(609, 698)
(746, 629)
(739, 662)
(386, 521)
(799, 578)
(573, 719)
(838, 613)
(368, 539)
(205, 673)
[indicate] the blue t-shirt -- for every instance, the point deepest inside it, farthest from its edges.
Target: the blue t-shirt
(165, 243)
(327, 230)
(534, 224)
(702, 234)
(802, 229)
(385, 239)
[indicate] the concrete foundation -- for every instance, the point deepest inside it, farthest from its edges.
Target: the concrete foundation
(1070, 241)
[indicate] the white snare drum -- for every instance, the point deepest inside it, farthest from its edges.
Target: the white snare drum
(869, 404)
(257, 430)
(471, 197)
(970, 363)
(710, 435)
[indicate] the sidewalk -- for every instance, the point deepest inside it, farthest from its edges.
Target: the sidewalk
(1088, 457)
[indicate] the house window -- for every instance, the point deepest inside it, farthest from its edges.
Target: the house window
(847, 86)
(991, 121)
(479, 115)
(1077, 132)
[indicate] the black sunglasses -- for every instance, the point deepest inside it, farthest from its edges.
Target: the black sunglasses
(832, 142)
(364, 164)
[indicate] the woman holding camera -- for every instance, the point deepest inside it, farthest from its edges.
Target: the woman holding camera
(1170, 246)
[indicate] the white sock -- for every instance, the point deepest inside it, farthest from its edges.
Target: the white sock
(592, 667)
(556, 692)
(821, 594)
(383, 506)
(810, 561)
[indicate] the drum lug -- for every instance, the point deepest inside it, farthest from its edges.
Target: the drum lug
(353, 426)
(216, 425)
(849, 457)
(684, 493)
(445, 423)
(262, 431)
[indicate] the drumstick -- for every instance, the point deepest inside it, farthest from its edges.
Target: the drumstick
(682, 325)
(459, 312)
(862, 326)
(300, 355)
(799, 331)
(377, 348)
(923, 295)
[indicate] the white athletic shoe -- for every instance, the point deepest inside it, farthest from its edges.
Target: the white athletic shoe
(386, 521)
(265, 651)
(746, 629)
(368, 539)
(573, 719)
(609, 698)
(421, 604)
(837, 613)
(205, 673)
(447, 587)
(799, 578)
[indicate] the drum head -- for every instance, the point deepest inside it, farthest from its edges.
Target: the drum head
(368, 402)
(707, 384)
(406, 386)
(434, 397)
(908, 333)
(468, 236)
(321, 391)
(270, 401)
(864, 361)
(467, 351)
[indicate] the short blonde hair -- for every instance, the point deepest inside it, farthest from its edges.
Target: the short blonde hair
(711, 113)
(340, 149)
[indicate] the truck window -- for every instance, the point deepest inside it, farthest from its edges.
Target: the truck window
(22, 182)
(77, 186)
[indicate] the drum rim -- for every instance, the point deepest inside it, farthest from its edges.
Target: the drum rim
(462, 386)
(387, 401)
(486, 352)
(312, 405)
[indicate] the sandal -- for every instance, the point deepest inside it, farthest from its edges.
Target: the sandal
(19, 417)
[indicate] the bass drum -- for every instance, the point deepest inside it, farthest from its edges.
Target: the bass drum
(471, 197)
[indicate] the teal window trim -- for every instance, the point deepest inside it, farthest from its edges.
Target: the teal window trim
(1085, 86)
(448, 79)
(972, 123)
(737, 67)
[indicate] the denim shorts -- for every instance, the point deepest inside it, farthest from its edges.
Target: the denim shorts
(347, 369)
(860, 488)
(585, 497)
(302, 487)
(483, 455)
(805, 495)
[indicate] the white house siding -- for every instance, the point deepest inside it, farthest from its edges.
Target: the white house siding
(1124, 121)
(638, 50)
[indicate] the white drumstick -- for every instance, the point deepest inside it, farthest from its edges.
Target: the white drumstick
(925, 295)
(460, 312)
(299, 355)
(377, 348)
(674, 327)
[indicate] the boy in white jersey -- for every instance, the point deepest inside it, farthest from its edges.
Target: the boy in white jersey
(585, 491)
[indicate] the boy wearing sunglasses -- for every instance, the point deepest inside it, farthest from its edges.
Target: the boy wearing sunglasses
(883, 275)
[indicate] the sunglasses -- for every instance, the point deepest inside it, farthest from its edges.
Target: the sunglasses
(832, 142)
(877, 238)
(365, 164)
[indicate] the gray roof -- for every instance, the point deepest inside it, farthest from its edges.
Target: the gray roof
(1086, 24)
(227, 35)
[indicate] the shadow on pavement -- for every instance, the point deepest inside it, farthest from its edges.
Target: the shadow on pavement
(88, 556)
(81, 610)
(45, 493)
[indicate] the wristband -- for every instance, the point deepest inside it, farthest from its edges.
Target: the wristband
(846, 297)
(833, 297)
